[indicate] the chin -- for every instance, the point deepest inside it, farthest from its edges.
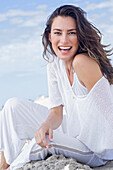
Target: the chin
(64, 58)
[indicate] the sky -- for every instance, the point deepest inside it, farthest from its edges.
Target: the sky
(22, 22)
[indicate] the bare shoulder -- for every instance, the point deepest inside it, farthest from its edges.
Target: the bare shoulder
(83, 60)
(87, 70)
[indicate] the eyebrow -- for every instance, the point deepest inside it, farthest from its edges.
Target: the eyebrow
(56, 29)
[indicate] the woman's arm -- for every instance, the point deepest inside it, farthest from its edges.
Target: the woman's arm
(55, 117)
(87, 70)
(53, 121)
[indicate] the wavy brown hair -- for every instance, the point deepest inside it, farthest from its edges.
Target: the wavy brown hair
(89, 39)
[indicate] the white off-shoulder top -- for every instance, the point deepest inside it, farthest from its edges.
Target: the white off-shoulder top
(89, 114)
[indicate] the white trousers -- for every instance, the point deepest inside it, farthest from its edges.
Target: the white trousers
(20, 119)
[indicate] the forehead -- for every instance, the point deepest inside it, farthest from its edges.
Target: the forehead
(62, 22)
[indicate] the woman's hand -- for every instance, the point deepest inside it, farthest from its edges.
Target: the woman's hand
(53, 121)
(40, 135)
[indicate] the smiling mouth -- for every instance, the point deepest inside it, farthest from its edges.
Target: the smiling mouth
(64, 48)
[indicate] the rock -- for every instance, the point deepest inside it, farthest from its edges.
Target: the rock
(59, 162)
(55, 162)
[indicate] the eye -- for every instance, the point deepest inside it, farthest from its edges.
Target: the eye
(72, 33)
(58, 33)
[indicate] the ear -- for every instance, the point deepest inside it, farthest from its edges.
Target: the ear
(50, 37)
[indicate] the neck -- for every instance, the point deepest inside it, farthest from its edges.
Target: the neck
(69, 70)
(68, 66)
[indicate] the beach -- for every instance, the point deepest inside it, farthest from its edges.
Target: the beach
(59, 162)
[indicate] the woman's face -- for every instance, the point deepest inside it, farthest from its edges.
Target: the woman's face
(63, 37)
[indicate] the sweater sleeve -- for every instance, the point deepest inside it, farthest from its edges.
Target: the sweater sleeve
(55, 98)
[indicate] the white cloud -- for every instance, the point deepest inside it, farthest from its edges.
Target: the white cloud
(111, 10)
(2, 18)
(23, 48)
(15, 13)
(4, 30)
(16, 20)
(42, 7)
(97, 17)
(22, 56)
(28, 51)
(25, 18)
(93, 6)
(34, 21)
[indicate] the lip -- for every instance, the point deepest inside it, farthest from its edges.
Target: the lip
(64, 49)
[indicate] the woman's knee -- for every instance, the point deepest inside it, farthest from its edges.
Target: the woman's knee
(12, 103)
(10, 110)
(11, 106)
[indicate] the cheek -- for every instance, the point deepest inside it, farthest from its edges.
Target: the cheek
(54, 45)
(54, 42)
(74, 40)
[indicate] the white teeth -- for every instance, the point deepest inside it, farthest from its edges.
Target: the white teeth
(64, 48)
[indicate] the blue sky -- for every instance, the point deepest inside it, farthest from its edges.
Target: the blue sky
(22, 67)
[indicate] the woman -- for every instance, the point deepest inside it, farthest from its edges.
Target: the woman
(80, 78)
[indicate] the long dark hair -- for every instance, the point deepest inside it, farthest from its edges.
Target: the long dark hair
(89, 39)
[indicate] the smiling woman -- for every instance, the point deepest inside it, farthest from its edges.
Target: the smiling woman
(80, 79)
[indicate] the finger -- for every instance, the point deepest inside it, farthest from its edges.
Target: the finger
(44, 141)
(50, 135)
(38, 138)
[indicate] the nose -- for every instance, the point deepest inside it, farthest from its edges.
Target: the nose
(64, 38)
